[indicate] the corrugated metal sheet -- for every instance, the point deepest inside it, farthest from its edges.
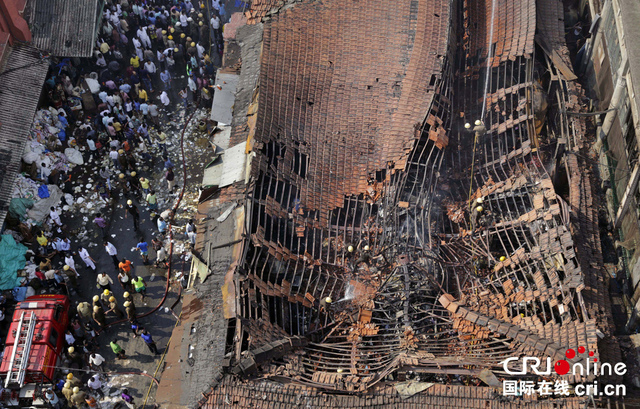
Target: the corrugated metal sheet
(65, 28)
(20, 87)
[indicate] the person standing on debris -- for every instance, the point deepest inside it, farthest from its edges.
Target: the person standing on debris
(67, 391)
(146, 337)
(55, 216)
(101, 223)
(143, 248)
(113, 252)
(135, 214)
(96, 362)
(144, 185)
(117, 349)
(162, 225)
(77, 399)
(140, 286)
(95, 384)
(152, 200)
(191, 232)
(104, 281)
(170, 177)
(84, 255)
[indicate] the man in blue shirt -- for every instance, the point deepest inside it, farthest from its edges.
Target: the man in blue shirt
(143, 247)
(146, 337)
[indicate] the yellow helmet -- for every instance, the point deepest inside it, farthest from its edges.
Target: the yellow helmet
(96, 298)
(76, 390)
(129, 202)
(173, 30)
(479, 209)
(126, 294)
(188, 39)
(112, 298)
(120, 151)
(183, 35)
(96, 308)
(106, 292)
(200, 23)
(67, 385)
(133, 173)
(121, 176)
(200, 15)
(71, 350)
(201, 5)
(127, 303)
(193, 44)
(502, 258)
(70, 375)
(164, 31)
(66, 267)
(328, 300)
(175, 50)
(170, 37)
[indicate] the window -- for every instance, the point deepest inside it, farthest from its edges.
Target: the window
(53, 337)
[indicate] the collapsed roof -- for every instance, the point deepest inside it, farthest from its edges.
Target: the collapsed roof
(385, 238)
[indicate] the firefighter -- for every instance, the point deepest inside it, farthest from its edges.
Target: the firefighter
(98, 316)
(106, 294)
(71, 277)
(128, 297)
(67, 391)
(72, 380)
(130, 310)
(78, 397)
(76, 357)
(84, 310)
(96, 301)
(113, 307)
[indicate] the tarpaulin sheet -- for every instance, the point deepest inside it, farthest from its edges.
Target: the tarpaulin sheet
(41, 209)
(18, 208)
(12, 259)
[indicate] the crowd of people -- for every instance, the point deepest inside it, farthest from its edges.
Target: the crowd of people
(151, 57)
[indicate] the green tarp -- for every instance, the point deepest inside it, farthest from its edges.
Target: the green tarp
(18, 208)
(12, 259)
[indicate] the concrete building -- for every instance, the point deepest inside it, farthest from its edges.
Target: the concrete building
(612, 68)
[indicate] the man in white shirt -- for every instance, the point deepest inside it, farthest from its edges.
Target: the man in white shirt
(96, 385)
(84, 255)
(150, 67)
(96, 361)
(113, 252)
(55, 216)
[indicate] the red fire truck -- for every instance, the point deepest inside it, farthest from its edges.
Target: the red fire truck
(33, 348)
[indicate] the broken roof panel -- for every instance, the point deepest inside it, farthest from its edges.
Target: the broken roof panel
(20, 87)
(65, 28)
(330, 99)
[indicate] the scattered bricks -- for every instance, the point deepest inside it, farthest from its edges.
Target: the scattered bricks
(521, 337)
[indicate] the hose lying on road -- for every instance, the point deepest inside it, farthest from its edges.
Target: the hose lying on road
(169, 228)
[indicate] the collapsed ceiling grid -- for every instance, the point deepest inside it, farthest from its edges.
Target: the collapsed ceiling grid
(386, 237)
